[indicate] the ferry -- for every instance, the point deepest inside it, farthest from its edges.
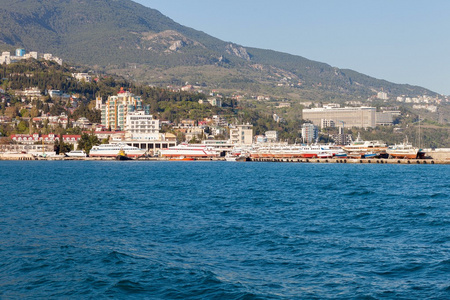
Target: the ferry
(112, 150)
(186, 150)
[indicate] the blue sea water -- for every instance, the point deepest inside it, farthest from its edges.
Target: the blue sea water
(221, 230)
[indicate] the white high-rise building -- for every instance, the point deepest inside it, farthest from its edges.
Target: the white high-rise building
(140, 126)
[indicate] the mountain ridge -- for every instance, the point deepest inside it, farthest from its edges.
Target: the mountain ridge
(142, 44)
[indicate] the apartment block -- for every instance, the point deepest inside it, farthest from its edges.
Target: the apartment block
(116, 109)
(242, 134)
(363, 117)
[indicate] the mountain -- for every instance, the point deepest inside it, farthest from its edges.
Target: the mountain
(123, 37)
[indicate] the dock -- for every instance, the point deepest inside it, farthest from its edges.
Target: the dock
(356, 161)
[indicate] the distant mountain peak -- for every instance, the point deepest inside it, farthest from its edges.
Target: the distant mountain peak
(114, 34)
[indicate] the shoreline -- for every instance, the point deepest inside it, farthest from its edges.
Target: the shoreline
(28, 157)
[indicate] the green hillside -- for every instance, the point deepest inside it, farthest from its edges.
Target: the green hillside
(126, 38)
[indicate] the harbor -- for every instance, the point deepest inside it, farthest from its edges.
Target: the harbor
(443, 158)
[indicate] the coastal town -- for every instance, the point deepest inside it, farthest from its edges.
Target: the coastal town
(127, 129)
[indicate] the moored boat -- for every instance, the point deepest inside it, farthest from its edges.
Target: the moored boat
(188, 151)
(112, 150)
(232, 157)
(404, 150)
(123, 156)
(181, 158)
(360, 148)
(76, 153)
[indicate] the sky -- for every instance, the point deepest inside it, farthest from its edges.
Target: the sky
(402, 41)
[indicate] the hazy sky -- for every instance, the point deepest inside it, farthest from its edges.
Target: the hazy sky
(403, 41)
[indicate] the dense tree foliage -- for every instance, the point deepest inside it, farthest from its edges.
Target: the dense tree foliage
(87, 141)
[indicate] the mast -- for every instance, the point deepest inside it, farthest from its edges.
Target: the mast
(419, 134)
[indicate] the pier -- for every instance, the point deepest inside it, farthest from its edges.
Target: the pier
(356, 161)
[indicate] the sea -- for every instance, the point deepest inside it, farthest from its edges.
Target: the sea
(223, 230)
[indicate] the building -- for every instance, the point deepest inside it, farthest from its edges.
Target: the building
(272, 136)
(57, 94)
(195, 132)
(116, 109)
(384, 118)
(31, 139)
(382, 96)
(309, 133)
(82, 77)
(352, 116)
(324, 123)
(242, 134)
(20, 52)
(83, 123)
(7, 58)
(116, 136)
(141, 126)
(261, 139)
(32, 93)
(341, 138)
(98, 103)
(215, 101)
(50, 57)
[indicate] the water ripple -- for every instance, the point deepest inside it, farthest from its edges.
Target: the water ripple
(212, 230)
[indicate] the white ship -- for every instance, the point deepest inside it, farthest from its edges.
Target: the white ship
(405, 150)
(76, 153)
(187, 150)
(112, 150)
(296, 151)
(360, 147)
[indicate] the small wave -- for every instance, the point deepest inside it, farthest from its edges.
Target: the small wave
(359, 193)
(400, 271)
(116, 257)
(415, 215)
(363, 215)
(439, 196)
(443, 267)
(129, 286)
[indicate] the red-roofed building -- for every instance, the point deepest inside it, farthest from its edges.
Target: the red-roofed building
(47, 138)
(71, 138)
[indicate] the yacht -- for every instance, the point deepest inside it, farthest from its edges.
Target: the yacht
(76, 153)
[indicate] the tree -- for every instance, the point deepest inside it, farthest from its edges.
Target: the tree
(87, 141)
(62, 147)
(11, 112)
(22, 127)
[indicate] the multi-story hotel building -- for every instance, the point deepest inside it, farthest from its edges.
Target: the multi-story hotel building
(116, 109)
(141, 126)
(364, 117)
